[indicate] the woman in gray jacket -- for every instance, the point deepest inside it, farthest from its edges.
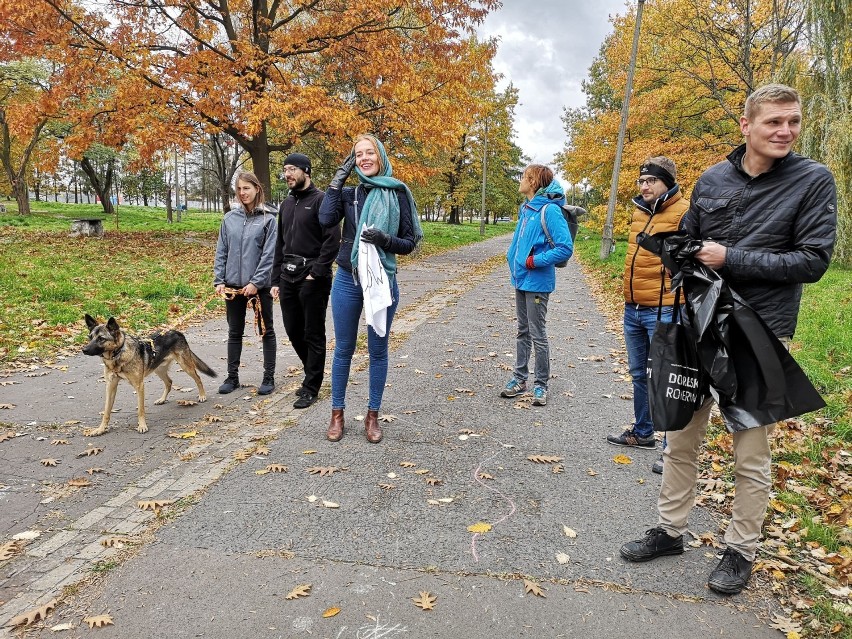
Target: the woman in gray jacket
(244, 255)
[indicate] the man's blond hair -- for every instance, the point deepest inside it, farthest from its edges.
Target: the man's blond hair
(769, 93)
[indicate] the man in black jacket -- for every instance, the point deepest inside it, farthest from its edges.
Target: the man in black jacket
(301, 273)
(767, 217)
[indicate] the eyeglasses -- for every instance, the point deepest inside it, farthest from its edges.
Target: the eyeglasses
(651, 181)
(287, 171)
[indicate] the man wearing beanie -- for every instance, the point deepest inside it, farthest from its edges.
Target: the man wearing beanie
(660, 207)
(301, 272)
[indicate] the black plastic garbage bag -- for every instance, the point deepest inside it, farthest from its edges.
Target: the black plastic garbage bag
(753, 378)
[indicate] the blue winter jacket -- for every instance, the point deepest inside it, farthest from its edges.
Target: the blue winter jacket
(529, 239)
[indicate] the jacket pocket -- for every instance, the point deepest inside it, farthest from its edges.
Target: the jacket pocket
(711, 204)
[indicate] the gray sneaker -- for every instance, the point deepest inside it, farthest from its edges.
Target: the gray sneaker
(629, 438)
(514, 388)
(539, 396)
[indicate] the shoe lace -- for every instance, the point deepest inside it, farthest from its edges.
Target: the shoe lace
(728, 564)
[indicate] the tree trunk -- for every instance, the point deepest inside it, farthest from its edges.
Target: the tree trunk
(102, 188)
(455, 215)
(169, 217)
(22, 196)
(258, 150)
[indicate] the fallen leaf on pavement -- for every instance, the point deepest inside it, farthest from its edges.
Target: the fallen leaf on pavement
(330, 612)
(98, 621)
(302, 590)
(622, 459)
(533, 587)
(27, 618)
(49, 462)
(545, 459)
(479, 527)
(426, 601)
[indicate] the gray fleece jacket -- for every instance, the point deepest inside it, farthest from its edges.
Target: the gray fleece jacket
(246, 248)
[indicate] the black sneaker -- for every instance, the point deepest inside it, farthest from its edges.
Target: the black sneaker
(629, 438)
(306, 399)
(657, 466)
(302, 392)
(267, 385)
(231, 384)
(732, 573)
(656, 543)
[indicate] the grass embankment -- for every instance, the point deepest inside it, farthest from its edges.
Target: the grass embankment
(144, 271)
(807, 556)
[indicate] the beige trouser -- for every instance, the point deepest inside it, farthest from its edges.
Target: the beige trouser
(752, 476)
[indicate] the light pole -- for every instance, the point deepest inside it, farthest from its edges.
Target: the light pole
(607, 242)
(484, 170)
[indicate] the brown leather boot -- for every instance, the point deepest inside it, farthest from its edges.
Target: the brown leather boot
(372, 428)
(335, 428)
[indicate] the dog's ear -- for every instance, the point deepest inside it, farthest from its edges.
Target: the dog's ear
(112, 325)
(91, 322)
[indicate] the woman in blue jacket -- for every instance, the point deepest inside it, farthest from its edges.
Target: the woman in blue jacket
(532, 259)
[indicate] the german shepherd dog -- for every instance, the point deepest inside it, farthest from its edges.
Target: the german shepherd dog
(134, 358)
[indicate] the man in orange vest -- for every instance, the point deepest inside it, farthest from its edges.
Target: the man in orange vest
(660, 206)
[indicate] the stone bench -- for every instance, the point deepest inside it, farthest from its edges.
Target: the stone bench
(87, 227)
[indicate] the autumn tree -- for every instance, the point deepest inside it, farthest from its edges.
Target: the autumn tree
(698, 60)
(826, 84)
(268, 73)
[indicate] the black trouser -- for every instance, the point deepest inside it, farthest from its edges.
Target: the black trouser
(235, 311)
(303, 308)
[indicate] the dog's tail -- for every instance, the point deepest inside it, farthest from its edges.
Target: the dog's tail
(201, 366)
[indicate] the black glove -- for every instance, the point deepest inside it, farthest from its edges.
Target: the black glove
(377, 237)
(342, 173)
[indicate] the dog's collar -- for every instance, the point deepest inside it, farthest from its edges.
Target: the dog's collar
(117, 352)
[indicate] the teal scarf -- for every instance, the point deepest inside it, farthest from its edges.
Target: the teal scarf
(381, 210)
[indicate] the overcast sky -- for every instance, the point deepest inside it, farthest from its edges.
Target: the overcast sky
(545, 49)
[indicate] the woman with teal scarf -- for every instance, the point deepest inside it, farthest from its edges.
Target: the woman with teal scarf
(380, 211)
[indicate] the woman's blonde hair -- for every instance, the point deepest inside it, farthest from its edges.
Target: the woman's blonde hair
(251, 178)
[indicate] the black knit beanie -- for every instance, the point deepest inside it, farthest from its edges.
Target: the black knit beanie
(299, 161)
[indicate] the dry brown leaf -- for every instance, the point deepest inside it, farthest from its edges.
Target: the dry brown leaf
(8, 383)
(422, 471)
(466, 431)
(92, 471)
(569, 532)
(302, 590)
(533, 587)
(558, 468)
(479, 527)
(39, 374)
(262, 450)
(114, 542)
(7, 436)
(276, 468)
(386, 486)
(407, 464)
(310, 452)
(91, 451)
(9, 550)
(242, 455)
(387, 418)
(7, 406)
(79, 482)
(622, 459)
(591, 472)
(49, 462)
(30, 617)
(485, 476)
(186, 402)
(426, 601)
(323, 471)
(154, 504)
(59, 442)
(545, 459)
(98, 621)
(330, 612)
(211, 419)
(433, 481)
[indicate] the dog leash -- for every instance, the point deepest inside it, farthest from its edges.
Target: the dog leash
(254, 303)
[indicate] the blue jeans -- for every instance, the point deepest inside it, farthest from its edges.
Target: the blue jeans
(531, 309)
(347, 302)
(639, 324)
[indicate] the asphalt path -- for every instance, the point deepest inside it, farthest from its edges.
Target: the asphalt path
(368, 527)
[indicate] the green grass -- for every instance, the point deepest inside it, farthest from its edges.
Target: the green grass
(146, 274)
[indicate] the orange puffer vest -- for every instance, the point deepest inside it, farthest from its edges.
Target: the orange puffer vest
(641, 267)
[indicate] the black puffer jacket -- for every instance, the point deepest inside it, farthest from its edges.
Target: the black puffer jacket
(779, 228)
